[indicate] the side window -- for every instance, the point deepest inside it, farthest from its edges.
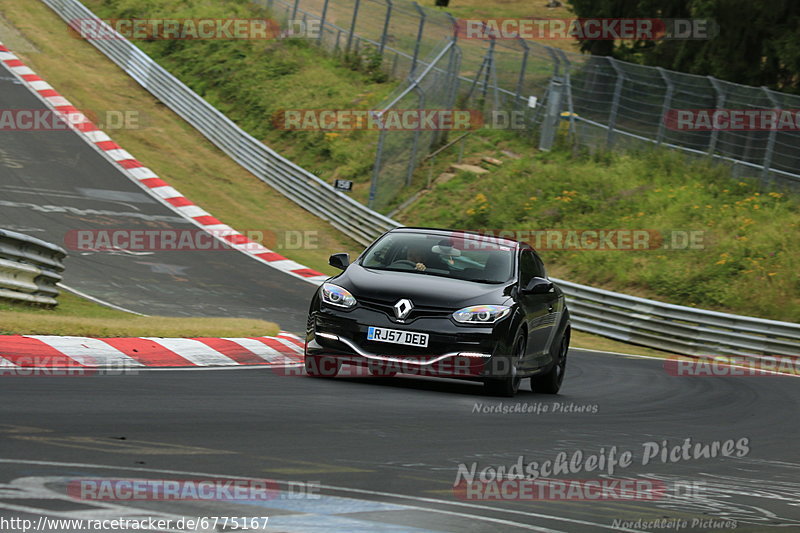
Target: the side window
(527, 267)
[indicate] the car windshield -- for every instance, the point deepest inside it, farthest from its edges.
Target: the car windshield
(460, 256)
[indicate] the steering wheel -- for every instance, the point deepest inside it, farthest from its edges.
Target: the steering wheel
(412, 264)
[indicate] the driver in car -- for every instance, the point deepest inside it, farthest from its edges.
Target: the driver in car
(417, 256)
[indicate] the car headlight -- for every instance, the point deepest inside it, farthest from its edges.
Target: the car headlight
(481, 314)
(336, 295)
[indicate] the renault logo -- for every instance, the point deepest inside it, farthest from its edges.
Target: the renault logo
(402, 308)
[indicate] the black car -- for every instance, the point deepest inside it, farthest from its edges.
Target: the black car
(442, 303)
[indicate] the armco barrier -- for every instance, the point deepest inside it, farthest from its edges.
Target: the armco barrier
(29, 268)
(676, 328)
(627, 318)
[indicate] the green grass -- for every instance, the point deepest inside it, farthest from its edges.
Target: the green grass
(77, 316)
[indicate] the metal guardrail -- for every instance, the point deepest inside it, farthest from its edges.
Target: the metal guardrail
(299, 185)
(29, 268)
(676, 328)
(627, 318)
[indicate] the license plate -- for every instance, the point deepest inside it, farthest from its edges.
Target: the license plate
(396, 336)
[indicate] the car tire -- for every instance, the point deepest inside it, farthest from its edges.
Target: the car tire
(550, 383)
(322, 367)
(508, 386)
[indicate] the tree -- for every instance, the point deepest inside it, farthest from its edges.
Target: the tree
(758, 41)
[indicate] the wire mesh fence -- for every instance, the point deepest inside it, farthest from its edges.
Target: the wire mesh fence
(610, 104)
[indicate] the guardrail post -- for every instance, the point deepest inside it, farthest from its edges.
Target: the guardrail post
(294, 10)
(421, 27)
(322, 21)
(612, 115)
(666, 106)
(386, 22)
(352, 26)
(767, 163)
(712, 141)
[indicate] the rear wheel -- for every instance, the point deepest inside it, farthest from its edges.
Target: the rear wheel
(550, 383)
(322, 367)
(508, 385)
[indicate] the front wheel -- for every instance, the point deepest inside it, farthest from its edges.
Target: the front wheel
(508, 385)
(322, 367)
(550, 383)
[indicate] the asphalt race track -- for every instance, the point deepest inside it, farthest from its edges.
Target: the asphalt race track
(49, 179)
(352, 454)
(399, 441)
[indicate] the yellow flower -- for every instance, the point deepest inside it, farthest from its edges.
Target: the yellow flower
(695, 207)
(771, 273)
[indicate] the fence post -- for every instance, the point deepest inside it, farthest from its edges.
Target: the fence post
(568, 88)
(294, 10)
(376, 169)
(412, 161)
(667, 104)
(489, 66)
(352, 26)
(322, 21)
(553, 114)
(386, 25)
(421, 27)
(521, 80)
(612, 115)
(712, 141)
(773, 132)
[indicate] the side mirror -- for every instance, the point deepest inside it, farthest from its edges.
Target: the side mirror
(538, 286)
(340, 261)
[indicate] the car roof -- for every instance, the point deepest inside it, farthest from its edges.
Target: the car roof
(451, 232)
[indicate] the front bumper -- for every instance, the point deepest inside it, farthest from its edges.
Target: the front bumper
(453, 351)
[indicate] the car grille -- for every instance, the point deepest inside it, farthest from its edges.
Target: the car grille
(416, 312)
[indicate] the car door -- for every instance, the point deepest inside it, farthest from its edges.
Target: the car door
(538, 310)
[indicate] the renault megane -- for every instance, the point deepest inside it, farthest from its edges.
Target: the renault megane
(442, 303)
